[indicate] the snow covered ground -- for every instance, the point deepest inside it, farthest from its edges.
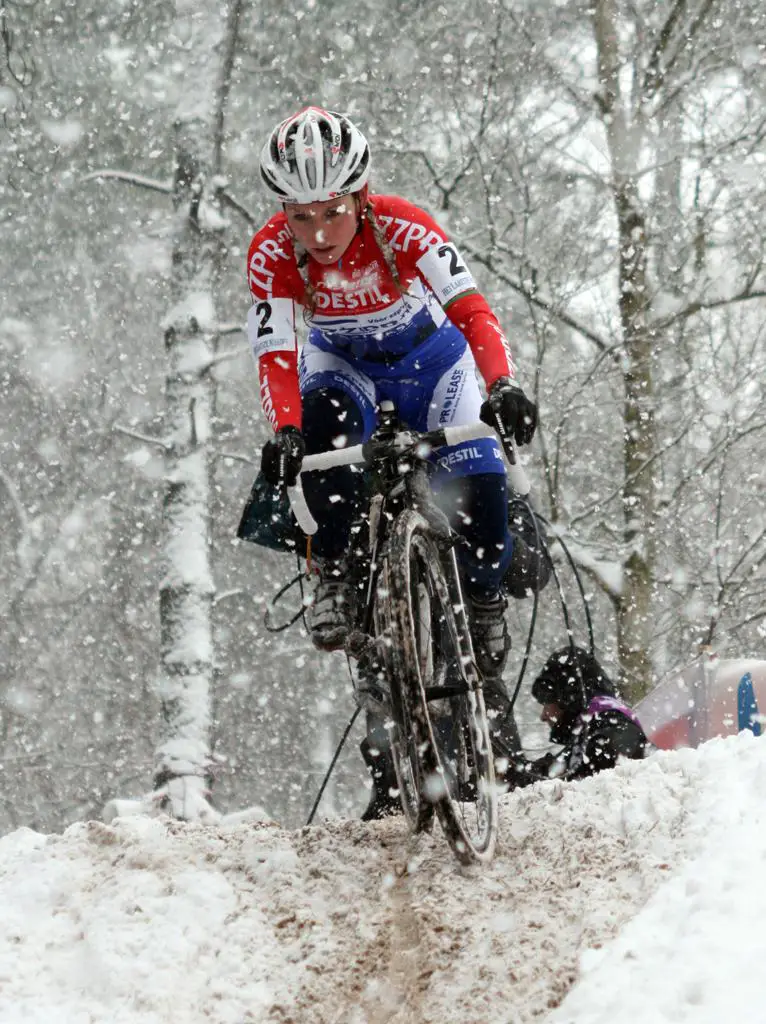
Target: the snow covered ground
(632, 898)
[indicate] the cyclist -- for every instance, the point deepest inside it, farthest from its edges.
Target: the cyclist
(594, 727)
(392, 312)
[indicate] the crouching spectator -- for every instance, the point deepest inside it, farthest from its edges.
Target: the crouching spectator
(587, 719)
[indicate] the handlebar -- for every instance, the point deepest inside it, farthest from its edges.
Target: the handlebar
(355, 456)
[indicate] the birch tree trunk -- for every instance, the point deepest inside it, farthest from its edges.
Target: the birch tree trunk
(624, 140)
(183, 769)
(187, 589)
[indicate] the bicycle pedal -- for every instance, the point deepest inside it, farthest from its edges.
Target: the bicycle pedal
(358, 644)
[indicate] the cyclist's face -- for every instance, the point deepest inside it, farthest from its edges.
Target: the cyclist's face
(326, 229)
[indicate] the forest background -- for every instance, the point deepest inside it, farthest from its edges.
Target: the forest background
(600, 165)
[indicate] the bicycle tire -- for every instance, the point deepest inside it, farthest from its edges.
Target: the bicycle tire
(441, 689)
(418, 811)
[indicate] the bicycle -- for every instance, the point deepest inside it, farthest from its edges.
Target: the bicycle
(413, 632)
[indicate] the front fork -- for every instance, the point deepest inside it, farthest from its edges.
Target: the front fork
(422, 499)
(467, 668)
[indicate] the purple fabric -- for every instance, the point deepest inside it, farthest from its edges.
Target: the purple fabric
(603, 703)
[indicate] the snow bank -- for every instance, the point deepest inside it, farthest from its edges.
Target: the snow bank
(639, 881)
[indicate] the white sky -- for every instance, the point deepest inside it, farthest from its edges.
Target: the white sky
(643, 886)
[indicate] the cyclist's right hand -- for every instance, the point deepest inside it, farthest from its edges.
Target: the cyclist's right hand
(282, 457)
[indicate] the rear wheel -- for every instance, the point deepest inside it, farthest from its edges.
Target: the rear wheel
(440, 689)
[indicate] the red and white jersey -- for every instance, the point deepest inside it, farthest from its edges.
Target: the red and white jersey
(356, 306)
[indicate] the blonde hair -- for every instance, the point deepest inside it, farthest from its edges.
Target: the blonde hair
(302, 262)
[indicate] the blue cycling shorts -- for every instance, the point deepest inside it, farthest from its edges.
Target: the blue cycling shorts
(433, 386)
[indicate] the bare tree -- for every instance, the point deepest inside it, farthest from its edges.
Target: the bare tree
(183, 775)
(602, 182)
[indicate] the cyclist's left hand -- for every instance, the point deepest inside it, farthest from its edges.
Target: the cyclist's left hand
(282, 456)
(508, 404)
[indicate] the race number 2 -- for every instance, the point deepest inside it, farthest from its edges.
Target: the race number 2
(271, 326)
(455, 266)
(444, 270)
(263, 309)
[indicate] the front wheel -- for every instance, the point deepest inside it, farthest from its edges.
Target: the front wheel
(440, 687)
(401, 728)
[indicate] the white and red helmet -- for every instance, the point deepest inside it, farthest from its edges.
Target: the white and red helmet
(315, 155)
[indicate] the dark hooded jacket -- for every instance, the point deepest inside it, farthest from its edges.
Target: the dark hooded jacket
(596, 728)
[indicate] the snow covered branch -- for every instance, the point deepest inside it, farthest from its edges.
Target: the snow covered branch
(534, 298)
(700, 304)
(143, 438)
(166, 187)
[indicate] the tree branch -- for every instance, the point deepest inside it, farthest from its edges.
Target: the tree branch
(617, 491)
(15, 500)
(532, 297)
(234, 204)
(133, 179)
(655, 74)
(166, 188)
(235, 457)
(143, 438)
(723, 446)
(697, 306)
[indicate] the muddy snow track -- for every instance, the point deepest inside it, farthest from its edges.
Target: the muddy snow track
(346, 923)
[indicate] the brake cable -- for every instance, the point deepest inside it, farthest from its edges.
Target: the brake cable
(299, 578)
(564, 608)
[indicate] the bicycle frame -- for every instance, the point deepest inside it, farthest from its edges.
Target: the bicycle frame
(434, 680)
(397, 485)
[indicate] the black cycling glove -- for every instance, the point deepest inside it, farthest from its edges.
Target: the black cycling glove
(282, 457)
(510, 411)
